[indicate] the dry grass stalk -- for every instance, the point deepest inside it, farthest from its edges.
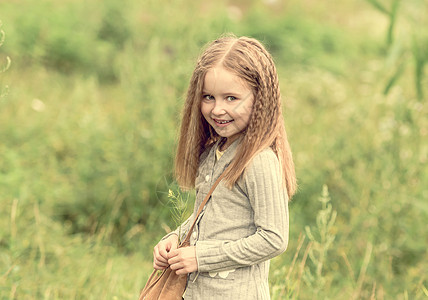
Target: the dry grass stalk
(300, 244)
(348, 265)
(302, 267)
(363, 271)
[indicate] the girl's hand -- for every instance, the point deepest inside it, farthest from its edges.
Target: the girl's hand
(183, 260)
(160, 252)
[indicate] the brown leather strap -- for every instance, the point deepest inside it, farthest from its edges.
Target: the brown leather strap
(207, 197)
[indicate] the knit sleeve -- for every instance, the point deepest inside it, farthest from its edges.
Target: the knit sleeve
(182, 230)
(269, 201)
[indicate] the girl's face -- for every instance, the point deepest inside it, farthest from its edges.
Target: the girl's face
(227, 102)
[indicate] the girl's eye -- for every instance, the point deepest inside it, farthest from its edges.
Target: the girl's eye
(230, 98)
(208, 97)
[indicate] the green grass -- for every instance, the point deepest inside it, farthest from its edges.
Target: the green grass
(89, 111)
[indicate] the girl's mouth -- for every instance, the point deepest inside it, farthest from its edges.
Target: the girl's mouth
(222, 123)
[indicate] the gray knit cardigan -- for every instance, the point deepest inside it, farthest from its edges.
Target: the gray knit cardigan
(239, 230)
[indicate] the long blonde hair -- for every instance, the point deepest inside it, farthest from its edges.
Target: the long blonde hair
(249, 60)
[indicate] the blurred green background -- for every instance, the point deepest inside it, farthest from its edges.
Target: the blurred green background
(89, 112)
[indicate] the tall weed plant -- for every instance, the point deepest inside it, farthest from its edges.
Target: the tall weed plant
(401, 45)
(305, 275)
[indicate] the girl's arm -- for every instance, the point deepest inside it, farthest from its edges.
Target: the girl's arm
(182, 229)
(269, 201)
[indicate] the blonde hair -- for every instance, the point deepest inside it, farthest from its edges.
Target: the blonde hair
(248, 59)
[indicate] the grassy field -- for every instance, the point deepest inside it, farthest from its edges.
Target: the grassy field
(89, 112)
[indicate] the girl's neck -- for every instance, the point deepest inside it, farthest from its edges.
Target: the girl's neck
(221, 144)
(226, 142)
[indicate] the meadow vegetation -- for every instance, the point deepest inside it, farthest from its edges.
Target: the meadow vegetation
(89, 113)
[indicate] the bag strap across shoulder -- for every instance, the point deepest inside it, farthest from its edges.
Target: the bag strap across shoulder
(201, 207)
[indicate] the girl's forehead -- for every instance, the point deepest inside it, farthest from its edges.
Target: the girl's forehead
(221, 78)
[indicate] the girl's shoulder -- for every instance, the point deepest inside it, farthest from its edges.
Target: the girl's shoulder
(265, 159)
(263, 171)
(265, 163)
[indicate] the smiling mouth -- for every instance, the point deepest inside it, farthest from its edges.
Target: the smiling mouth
(222, 122)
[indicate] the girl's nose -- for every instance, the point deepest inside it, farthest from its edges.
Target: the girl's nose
(218, 108)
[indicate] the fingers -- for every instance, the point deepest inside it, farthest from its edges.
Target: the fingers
(174, 256)
(159, 263)
(173, 245)
(163, 254)
(159, 266)
(176, 262)
(160, 253)
(183, 260)
(161, 250)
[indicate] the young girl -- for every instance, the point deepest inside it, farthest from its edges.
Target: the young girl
(232, 123)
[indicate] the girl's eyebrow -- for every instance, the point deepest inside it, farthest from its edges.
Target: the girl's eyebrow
(223, 94)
